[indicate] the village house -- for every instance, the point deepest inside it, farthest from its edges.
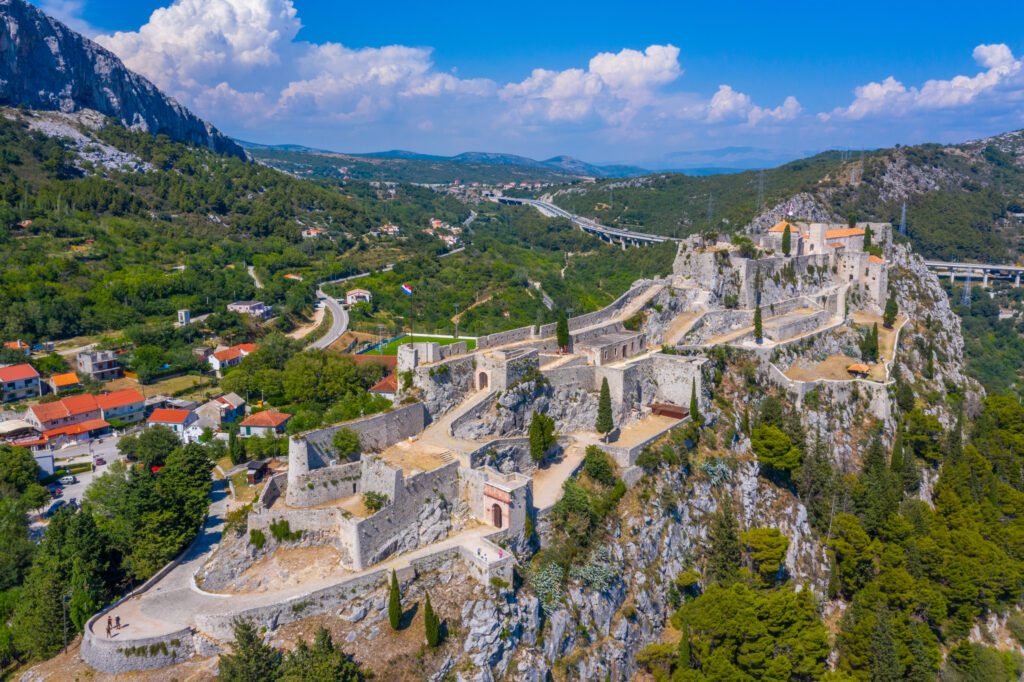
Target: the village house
(127, 405)
(314, 233)
(390, 229)
(68, 381)
(256, 309)
(18, 382)
(20, 346)
(263, 423)
(176, 420)
(221, 410)
(353, 296)
(386, 387)
(100, 365)
(229, 357)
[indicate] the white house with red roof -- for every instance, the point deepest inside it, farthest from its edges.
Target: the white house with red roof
(176, 420)
(18, 382)
(263, 423)
(229, 357)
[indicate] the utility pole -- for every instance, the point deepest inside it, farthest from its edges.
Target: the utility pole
(965, 297)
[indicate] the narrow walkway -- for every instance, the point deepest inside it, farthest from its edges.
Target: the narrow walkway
(547, 482)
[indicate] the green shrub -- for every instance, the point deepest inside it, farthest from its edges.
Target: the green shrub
(375, 501)
(257, 539)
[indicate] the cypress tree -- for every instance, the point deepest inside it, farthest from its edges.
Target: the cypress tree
(725, 553)
(758, 329)
(695, 414)
(605, 421)
(394, 602)
(683, 660)
(891, 310)
(562, 331)
(867, 237)
(787, 241)
(536, 439)
(431, 624)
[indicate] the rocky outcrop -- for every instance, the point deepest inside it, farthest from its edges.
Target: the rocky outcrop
(45, 65)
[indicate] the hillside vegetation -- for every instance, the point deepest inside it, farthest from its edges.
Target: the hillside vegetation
(960, 199)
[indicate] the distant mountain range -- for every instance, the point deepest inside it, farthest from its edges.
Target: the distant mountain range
(416, 167)
(45, 65)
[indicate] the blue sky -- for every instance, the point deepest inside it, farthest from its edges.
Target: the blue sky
(636, 83)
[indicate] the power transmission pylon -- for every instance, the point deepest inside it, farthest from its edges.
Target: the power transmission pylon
(903, 219)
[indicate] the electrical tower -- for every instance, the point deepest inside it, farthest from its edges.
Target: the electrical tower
(965, 297)
(760, 190)
(903, 219)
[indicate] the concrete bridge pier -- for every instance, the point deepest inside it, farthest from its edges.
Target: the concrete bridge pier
(984, 280)
(1016, 281)
(952, 276)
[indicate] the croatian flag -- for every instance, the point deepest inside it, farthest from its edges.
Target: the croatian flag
(407, 290)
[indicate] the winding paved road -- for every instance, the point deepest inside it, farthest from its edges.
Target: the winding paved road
(589, 225)
(339, 321)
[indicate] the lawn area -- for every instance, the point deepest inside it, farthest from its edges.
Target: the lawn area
(243, 491)
(168, 386)
(392, 347)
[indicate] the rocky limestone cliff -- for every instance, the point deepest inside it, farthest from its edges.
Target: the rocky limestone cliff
(45, 65)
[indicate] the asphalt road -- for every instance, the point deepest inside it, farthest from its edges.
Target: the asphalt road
(339, 321)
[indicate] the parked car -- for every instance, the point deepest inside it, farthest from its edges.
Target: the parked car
(99, 461)
(68, 480)
(54, 508)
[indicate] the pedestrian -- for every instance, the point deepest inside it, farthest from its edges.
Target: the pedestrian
(117, 622)
(108, 627)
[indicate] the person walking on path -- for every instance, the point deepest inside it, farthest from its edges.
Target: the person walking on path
(108, 627)
(117, 622)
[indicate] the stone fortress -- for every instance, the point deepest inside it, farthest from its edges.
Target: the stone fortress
(450, 464)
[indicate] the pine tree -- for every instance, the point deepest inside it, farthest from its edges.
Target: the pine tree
(605, 420)
(758, 330)
(885, 663)
(695, 414)
(562, 331)
(891, 310)
(787, 241)
(250, 659)
(431, 624)
(725, 552)
(394, 602)
(878, 491)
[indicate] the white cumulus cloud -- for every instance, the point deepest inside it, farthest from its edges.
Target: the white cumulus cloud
(1002, 72)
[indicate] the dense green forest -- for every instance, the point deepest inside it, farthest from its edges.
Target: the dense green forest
(960, 208)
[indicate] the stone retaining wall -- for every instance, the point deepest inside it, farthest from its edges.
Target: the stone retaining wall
(510, 336)
(840, 391)
(116, 657)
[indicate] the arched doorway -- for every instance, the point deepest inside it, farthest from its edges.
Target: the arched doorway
(496, 515)
(482, 381)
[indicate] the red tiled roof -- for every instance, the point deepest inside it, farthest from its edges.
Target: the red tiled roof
(165, 415)
(76, 429)
(388, 384)
(842, 232)
(875, 259)
(268, 418)
(128, 396)
(235, 352)
(80, 404)
(64, 380)
(18, 372)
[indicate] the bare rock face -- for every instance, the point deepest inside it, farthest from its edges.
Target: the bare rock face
(45, 65)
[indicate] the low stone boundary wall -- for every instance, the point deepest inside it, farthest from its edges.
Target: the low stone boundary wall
(625, 457)
(520, 447)
(501, 338)
(840, 389)
(376, 432)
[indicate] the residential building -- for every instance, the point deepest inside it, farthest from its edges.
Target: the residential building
(229, 357)
(314, 233)
(176, 420)
(257, 309)
(390, 229)
(353, 296)
(386, 387)
(127, 406)
(19, 345)
(101, 365)
(18, 382)
(69, 411)
(221, 410)
(67, 381)
(263, 423)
